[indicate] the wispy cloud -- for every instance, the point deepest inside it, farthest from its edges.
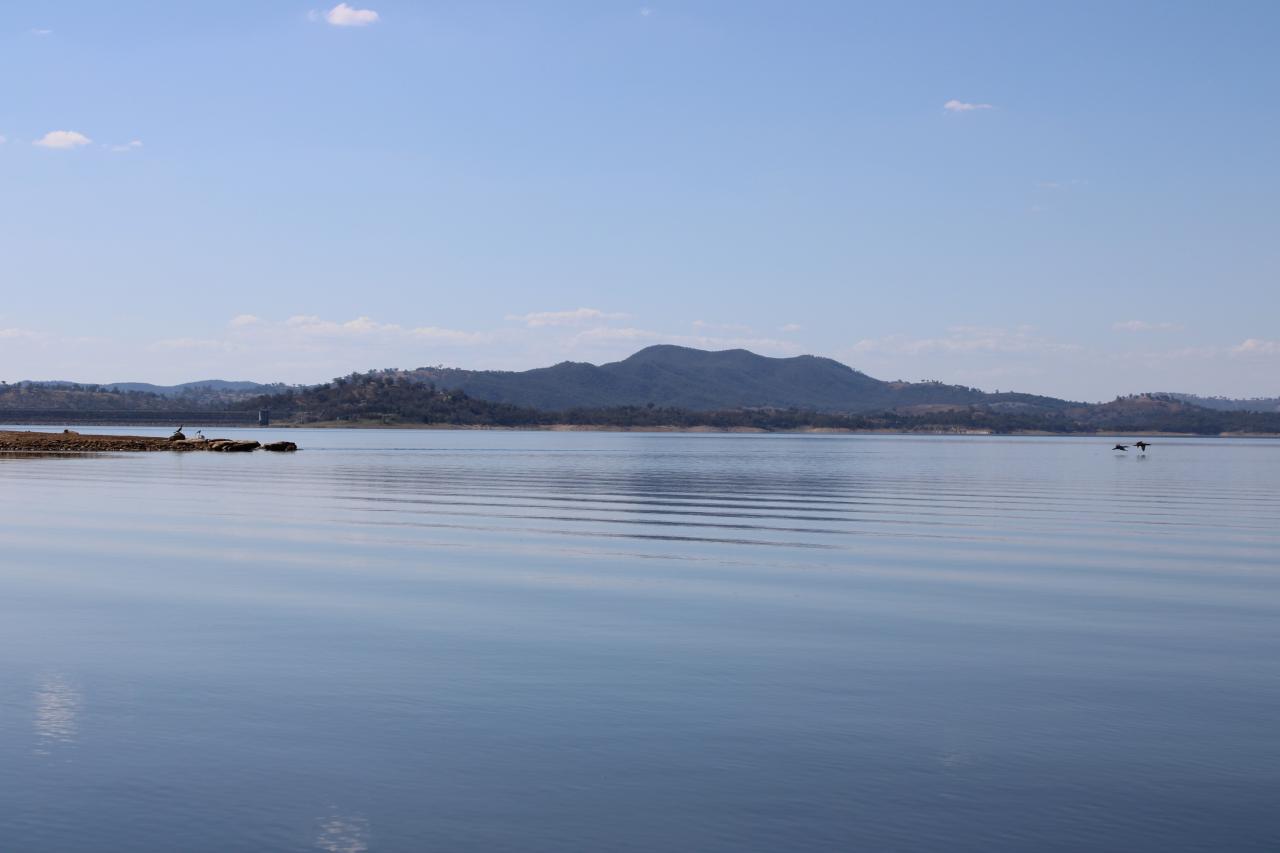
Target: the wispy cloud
(1145, 326)
(1060, 185)
(41, 31)
(576, 317)
(132, 145)
(608, 335)
(1256, 346)
(789, 328)
(2, 139)
(63, 139)
(1157, 358)
(343, 15)
(312, 326)
(955, 106)
(965, 339)
(15, 334)
(206, 344)
(732, 328)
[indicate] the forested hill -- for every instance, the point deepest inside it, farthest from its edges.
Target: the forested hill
(207, 393)
(703, 381)
(1229, 404)
(395, 397)
(68, 396)
(663, 386)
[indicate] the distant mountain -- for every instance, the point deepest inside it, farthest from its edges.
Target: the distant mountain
(1228, 404)
(699, 380)
(206, 393)
(69, 396)
(216, 386)
(207, 396)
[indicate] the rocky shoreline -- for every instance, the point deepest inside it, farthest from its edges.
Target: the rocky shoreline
(70, 441)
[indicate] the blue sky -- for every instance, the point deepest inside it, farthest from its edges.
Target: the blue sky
(1078, 200)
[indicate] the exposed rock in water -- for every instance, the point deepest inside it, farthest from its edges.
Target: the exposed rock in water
(280, 446)
(224, 445)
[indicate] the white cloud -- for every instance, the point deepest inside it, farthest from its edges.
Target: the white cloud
(1145, 326)
(343, 15)
(790, 327)
(246, 320)
(62, 139)
(13, 334)
(955, 106)
(1257, 346)
(964, 339)
(576, 317)
(128, 146)
(39, 31)
(645, 12)
(3, 140)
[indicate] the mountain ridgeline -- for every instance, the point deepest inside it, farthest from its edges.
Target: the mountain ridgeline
(698, 380)
(659, 387)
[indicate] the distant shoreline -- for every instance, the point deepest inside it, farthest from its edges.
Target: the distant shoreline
(757, 430)
(696, 430)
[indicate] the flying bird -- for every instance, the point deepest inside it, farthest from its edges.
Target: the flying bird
(1121, 447)
(1142, 445)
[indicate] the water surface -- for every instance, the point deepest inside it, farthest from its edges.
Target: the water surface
(491, 641)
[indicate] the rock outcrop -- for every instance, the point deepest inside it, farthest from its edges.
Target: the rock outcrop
(75, 442)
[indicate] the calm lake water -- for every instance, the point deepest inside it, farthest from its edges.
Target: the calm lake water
(495, 641)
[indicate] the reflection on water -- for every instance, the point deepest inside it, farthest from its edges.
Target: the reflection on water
(343, 834)
(475, 641)
(57, 711)
(9, 455)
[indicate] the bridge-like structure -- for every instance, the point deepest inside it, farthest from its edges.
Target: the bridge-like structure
(125, 417)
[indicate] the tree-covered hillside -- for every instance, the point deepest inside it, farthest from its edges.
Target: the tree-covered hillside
(696, 379)
(397, 397)
(68, 396)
